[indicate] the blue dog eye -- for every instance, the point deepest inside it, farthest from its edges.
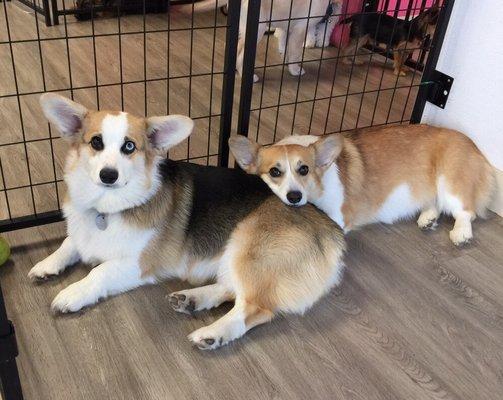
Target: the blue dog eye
(128, 147)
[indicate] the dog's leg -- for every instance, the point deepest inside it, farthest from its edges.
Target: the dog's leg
(324, 31)
(241, 49)
(428, 218)
(280, 35)
(294, 48)
(350, 52)
(57, 262)
(399, 57)
(107, 279)
(231, 326)
(462, 231)
(200, 298)
(312, 34)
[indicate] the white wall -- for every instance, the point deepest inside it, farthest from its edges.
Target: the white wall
(472, 54)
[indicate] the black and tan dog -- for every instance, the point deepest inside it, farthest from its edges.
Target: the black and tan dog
(380, 28)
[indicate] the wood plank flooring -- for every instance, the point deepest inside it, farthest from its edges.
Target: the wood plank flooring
(415, 318)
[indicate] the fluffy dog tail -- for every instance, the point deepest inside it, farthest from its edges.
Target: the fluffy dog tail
(200, 6)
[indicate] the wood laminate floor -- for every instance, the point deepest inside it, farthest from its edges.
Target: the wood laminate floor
(415, 318)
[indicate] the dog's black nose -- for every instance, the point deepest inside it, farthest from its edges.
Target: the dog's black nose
(294, 197)
(109, 175)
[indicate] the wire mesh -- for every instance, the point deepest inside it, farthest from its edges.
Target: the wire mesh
(123, 56)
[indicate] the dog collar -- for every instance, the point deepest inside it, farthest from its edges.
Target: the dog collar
(328, 13)
(101, 221)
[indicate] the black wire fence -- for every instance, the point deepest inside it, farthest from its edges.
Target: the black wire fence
(165, 62)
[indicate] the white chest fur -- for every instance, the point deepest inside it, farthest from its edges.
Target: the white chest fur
(118, 240)
(333, 196)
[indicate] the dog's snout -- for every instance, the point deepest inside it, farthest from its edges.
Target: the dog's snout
(294, 197)
(109, 175)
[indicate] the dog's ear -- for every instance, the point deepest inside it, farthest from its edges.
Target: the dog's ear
(64, 113)
(327, 149)
(245, 152)
(166, 132)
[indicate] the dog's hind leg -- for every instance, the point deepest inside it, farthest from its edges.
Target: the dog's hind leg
(57, 262)
(294, 48)
(280, 35)
(262, 27)
(200, 298)
(231, 326)
(350, 52)
(107, 279)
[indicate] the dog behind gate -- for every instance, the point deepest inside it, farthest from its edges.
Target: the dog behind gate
(140, 218)
(294, 21)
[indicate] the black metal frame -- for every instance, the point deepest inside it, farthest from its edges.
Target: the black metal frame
(8, 351)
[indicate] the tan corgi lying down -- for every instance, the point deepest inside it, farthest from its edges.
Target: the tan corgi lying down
(380, 174)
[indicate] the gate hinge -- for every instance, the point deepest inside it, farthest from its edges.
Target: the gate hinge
(8, 345)
(439, 88)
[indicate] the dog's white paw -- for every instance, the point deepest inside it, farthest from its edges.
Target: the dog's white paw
(75, 297)
(296, 70)
(43, 270)
(461, 236)
(428, 220)
(206, 338)
(255, 78)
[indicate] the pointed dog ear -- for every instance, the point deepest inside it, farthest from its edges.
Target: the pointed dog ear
(327, 149)
(245, 152)
(65, 114)
(168, 131)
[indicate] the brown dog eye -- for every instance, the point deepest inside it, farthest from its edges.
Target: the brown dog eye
(303, 170)
(97, 143)
(274, 172)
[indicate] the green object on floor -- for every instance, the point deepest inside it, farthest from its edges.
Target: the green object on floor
(4, 251)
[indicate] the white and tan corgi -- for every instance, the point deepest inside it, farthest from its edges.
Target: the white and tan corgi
(379, 174)
(140, 218)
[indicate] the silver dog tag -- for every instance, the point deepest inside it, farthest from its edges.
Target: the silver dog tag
(101, 221)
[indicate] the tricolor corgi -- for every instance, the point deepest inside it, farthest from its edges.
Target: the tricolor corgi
(380, 174)
(140, 218)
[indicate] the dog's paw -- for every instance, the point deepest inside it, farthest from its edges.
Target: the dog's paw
(429, 225)
(182, 303)
(255, 78)
(296, 70)
(460, 236)
(428, 220)
(75, 297)
(399, 73)
(205, 339)
(43, 270)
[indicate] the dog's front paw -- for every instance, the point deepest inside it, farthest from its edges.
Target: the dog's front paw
(43, 270)
(75, 297)
(461, 236)
(205, 339)
(182, 303)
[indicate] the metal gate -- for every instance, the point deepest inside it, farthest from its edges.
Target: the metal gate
(153, 64)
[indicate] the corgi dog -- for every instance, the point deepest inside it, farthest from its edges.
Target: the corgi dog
(379, 174)
(295, 22)
(140, 218)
